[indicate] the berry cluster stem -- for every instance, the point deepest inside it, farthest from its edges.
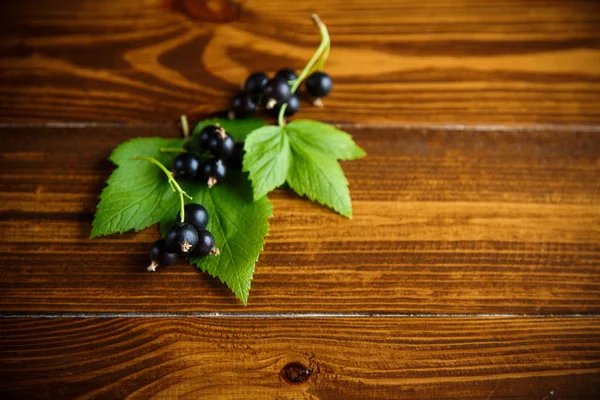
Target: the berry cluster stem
(172, 182)
(319, 57)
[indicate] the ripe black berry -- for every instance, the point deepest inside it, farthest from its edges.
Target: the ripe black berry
(276, 91)
(221, 146)
(209, 132)
(319, 84)
(287, 74)
(160, 255)
(186, 165)
(213, 171)
(182, 238)
(206, 244)
(255, 83)
(293, 105)
(237, 156)
(242, 105)
(195, 215)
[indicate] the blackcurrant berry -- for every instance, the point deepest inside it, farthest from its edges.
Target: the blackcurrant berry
(255, 83)
(206, 244)
(195, 215)
(160, 255)
(237, 156)
(186, 165)
(214, 171)
(276, 91)
(207, 133)
(182, 238)
(319, 84)
(287, 74)
(221, 146)
(242, 105)
(293, 105)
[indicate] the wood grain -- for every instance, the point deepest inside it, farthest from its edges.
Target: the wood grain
(450, 221)
(350, 358)
(505, 61)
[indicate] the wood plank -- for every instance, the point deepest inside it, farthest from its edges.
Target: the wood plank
(349, 358)
(450, 221)
(433, 61)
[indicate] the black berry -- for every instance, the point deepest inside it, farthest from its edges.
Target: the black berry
(207, 133)
(276, 91)
(242, 105)
(255, 83)
(287, 74)
(293, 105)
(206, 244)
(182, 238)
(221, 145)
(237, 156)
(160, 255)
(195, 215)
(319, 84)
(186, 165)
(214, 171)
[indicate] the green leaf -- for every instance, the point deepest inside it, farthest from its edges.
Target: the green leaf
(324, 138)
(320, 178)
(138, 194)
(237, 128)
(267, 158)
(304, 155)
(238, 224)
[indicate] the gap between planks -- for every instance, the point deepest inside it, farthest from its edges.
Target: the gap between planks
(284, 315)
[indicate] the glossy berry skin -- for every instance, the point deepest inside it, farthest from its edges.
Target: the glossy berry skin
(243, 105)
(287, 74)
(207, 133)
(276, 91)
(160, 255)
(206, 243)
(221, 146)
(182, 238)
(255, 83)
(293, 105)
(195, 215)
(214, 171)
(319, 84)
(237, 156)
(186, 165)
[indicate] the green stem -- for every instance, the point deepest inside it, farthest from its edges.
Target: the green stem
(319, 56)
(174, 185)
(185, 127)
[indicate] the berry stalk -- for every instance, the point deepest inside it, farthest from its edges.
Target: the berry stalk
(172, 182)
(317, 60)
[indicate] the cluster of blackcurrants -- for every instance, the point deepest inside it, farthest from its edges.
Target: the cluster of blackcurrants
(184, 238)
(219, 151)
(272, 93)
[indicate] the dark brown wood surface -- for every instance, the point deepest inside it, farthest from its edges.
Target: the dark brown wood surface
(471, 268)
(348, 358)
(506, 61)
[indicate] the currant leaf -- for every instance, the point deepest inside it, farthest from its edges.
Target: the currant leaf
(137, 194)
(267, 159)
(238, 225)
(324, 138)
(237, 128)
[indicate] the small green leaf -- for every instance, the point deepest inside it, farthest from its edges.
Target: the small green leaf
(238, 224)
(237, 128)
(321, 179)
(304, 155)
(267, 159)
(324, 138)
(137, 194)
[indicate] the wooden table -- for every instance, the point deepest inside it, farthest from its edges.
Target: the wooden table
(471, 269)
